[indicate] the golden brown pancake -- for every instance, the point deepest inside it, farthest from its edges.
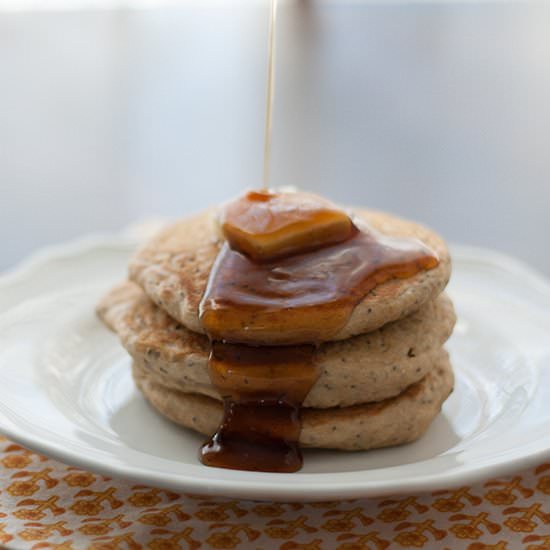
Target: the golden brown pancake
(174, 267)
(368, 367)
(400, 419)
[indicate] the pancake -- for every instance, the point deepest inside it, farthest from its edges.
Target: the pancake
(394, 421)
(174, 267)
(369, 367)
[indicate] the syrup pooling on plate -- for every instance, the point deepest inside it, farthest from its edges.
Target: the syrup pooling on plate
(306, 296)
(263, 388)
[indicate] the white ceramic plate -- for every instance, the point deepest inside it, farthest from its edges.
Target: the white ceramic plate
(66, 390)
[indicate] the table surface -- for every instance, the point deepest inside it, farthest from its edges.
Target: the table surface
(46, 504)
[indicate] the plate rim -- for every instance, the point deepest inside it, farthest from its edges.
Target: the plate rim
(256, 490)
(323, 488)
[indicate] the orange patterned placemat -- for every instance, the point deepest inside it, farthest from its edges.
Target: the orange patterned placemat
(47, 504)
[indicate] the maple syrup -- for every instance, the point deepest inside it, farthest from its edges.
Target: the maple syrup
(270, 92)
(262, 388)
(267, 307)
(257, 312)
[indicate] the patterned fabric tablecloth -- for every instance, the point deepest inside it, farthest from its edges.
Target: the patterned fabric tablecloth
(46, 504)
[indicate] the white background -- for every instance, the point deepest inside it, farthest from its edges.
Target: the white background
(437, 111)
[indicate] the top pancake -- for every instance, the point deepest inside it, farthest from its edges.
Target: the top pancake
(174, 267)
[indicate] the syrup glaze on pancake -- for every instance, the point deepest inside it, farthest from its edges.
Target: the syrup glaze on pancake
(307, 297)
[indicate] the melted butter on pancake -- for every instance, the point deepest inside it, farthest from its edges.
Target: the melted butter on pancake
(265, 226)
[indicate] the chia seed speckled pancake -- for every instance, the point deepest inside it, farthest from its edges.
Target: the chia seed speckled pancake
(174, 267)
(368, 367)
(400, 419)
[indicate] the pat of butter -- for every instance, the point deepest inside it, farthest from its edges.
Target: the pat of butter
(265, 226)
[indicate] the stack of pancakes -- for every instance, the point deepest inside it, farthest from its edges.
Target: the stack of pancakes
(382, 380)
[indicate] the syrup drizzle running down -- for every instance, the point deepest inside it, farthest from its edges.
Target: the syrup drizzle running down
(270, 95)
(306, 297)
(263, 388)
